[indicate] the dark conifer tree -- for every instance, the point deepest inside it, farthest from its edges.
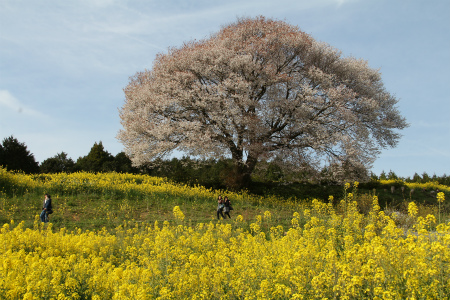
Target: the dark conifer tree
(98, 160)
(14, 156)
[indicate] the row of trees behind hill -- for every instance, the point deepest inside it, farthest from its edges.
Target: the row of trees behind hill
(14, 155)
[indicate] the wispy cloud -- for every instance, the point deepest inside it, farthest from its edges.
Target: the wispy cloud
(11, 103)
(68, 60)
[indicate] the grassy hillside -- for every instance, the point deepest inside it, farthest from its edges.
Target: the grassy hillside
(90, 201)
(93, 201)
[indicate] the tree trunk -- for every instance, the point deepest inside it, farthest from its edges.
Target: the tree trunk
(239, 177)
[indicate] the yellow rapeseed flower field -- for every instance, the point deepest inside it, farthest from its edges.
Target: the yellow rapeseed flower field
(416, 185)
(329, 258)
(326, 253)
(111, 185)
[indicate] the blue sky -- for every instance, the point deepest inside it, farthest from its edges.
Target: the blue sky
(63, 64)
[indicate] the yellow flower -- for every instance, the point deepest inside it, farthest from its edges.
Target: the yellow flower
(322, 254)
(412, 209)
(440, 197)
(177, 213)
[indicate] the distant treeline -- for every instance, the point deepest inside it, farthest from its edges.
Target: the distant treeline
(211, 173)
(424, 178)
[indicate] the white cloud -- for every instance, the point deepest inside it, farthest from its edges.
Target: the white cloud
(70, 59)
(11, 103)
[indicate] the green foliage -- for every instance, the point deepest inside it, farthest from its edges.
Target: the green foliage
(123, 164)
(444, 179)
(15, 156)
(392, 175)
(274, 172)
(209, 173)
(57, 164)
(97, 160)
(416, 178)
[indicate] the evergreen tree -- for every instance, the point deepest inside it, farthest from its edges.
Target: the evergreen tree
(98, 160)
(14, 156)
(373, 176)
(120, 163)
(416, 178)
(425, 177)
(434, 178)
(392, 175)
(57, 164)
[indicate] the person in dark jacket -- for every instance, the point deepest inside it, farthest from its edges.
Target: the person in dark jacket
(227, 204)
(220, 207)
(46, 209)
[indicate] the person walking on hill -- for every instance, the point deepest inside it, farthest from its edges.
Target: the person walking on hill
(220, 206)
(227, 206)
(46, 209)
